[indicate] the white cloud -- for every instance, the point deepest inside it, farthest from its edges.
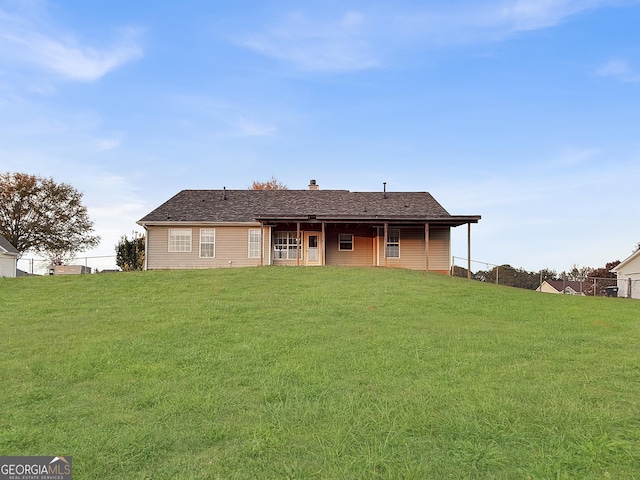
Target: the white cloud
(619, 69)
(573, 156)
(534, 14)
(354, 41)
(251, 128)
(493, 20)
(109, 143)
(340, 45)
(30, 40)
(220, 117)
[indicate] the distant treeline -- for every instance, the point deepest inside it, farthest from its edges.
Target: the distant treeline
(521, 278)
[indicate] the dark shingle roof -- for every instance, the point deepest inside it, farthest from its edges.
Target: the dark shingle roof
(331, 205)
(560, 285)
(6, 246)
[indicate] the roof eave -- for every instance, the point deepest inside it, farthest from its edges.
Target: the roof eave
(182, 223)
(453, 220)
(623, 263)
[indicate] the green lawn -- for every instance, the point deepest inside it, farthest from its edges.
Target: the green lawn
(317, 373)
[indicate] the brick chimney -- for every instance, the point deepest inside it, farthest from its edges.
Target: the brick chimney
(313, 185)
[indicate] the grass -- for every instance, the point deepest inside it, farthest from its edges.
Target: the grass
(317, 373)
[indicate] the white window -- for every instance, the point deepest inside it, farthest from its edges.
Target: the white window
(285, 246)
(255, 241)
(345, 242)
(179, 239)
(207, 242)
(393, 243)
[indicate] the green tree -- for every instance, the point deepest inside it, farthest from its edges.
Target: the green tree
(459, 271)
(599, 279)
(44, 217)
(130, 253)
(577, 273)
(509, 276)
(547, 274)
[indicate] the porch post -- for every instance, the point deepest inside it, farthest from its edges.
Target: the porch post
(299, 244)
(262, 245)
(384, 245)
(426, 247)
(469, 251)
(324, 246)
(269, 245)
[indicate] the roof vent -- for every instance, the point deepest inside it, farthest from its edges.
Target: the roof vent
(384, 189)
(224, 193)
(313, 185)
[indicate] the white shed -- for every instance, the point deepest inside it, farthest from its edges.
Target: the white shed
(8, 258)
(628, 274)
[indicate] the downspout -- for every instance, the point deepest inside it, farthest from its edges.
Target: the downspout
(146, 247)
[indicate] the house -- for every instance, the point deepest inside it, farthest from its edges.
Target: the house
(568, 287)
(8, 258)
(236, 228)
(628, 275)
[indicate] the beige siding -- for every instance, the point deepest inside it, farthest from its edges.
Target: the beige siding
(231, 244)
(7, 266)
(412, 249)
(289, 263)
(630, 269)
(362, 253)
(546, 288)
(440, 249)
(629, 276)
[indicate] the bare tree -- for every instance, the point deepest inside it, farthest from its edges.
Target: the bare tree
(271, 184)
(44, 217)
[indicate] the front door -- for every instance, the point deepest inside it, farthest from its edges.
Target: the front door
(312, 249)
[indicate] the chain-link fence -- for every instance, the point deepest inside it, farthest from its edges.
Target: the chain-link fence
(628, 288)
(544, 280)
(41, 266)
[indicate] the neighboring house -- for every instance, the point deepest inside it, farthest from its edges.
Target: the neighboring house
(8, 258)
(628, 275)
(567, 287)
(235, 228)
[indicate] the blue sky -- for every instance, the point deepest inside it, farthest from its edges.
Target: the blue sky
(523, 111)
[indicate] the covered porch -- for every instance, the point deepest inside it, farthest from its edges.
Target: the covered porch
(401, 243)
